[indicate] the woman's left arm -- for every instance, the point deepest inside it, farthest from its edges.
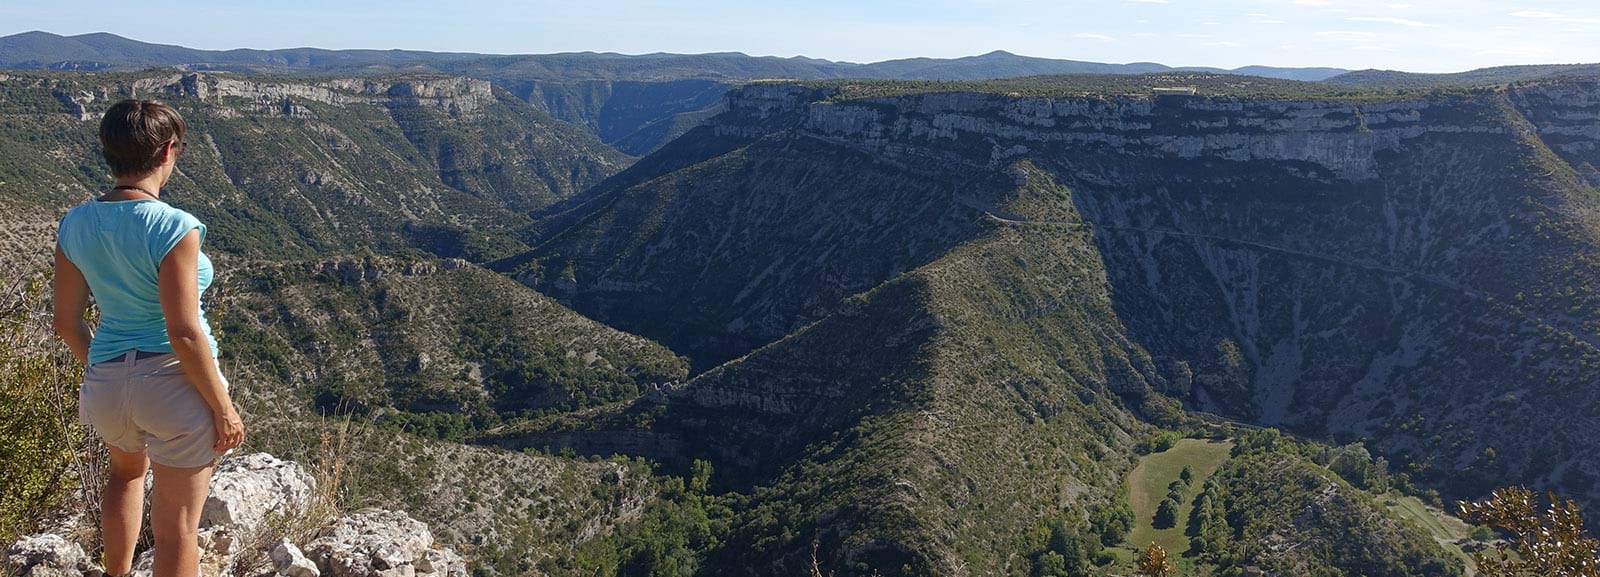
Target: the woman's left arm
(71, 299)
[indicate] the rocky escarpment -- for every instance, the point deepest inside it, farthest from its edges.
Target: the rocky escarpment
(893, 276)
(305, 166)
(1339, 266)
(457, 96)
(253, 498)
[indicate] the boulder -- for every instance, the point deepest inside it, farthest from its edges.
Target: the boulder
(245, 489)
(379, 543)
(48, 555)
(288, 560)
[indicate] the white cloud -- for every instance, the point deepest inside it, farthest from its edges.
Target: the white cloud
(1373, 48)
(1147, 1)
(1224, 44)
(1144, 34)
(1536, 14)
(1351, 35)
(1269, 22)
(1312, 2)
(1094, 36)
(1193, 35)
(1390, 20)
(1399, 6)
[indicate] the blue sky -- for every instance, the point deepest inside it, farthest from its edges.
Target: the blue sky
(1417, 35)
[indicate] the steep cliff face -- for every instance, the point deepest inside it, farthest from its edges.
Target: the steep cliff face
(1413, 272)
(1418, 272)
(635, 116)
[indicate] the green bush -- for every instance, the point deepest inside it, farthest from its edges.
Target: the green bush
(1166, 514)
(1112, 523)
(43, 450)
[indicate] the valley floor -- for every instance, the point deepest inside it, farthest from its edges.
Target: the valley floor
(1147, 486)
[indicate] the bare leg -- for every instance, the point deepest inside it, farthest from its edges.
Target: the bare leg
(175, 504)
(122, 508)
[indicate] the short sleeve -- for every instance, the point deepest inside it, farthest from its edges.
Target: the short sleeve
(169, 229)
(64, 231)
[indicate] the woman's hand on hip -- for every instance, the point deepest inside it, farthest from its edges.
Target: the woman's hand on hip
(230, 429)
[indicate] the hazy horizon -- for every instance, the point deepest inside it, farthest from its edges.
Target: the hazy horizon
(1413, 36)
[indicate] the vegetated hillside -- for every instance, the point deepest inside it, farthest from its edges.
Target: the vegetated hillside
(1395, 79)
(283, 167)
(1414, 272)
(635, 116)
(1271, 507)
(440, 348)
(676, 256)
(926, 424)
(289, 171)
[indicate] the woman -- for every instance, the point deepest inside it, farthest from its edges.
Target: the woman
(151, 388)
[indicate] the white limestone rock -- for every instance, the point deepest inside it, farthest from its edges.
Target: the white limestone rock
(287, 559)
(244, 490)
(379, 543)
(47, 555)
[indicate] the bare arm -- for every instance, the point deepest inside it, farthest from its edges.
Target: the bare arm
(71, 298)
(180, 303)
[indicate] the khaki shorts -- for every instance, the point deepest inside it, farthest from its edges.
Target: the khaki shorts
(148, 404)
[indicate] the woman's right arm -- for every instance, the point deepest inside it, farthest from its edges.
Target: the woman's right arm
(179, 288)
(71, 298)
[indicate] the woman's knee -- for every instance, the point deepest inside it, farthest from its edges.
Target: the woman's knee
(173, 536)
(127, 467)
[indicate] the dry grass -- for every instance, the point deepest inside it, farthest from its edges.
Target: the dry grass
(51, 468)
(334, 442)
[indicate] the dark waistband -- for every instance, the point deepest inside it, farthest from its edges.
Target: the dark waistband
(132, 356)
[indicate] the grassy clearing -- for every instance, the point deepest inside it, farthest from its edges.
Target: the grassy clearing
(1147, 486)
(1443, 527)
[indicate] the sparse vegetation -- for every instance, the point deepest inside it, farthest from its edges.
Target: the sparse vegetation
(49, 464)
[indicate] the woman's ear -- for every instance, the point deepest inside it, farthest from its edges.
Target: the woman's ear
(170, 152)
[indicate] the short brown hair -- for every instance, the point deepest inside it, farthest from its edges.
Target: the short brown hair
(134, 132)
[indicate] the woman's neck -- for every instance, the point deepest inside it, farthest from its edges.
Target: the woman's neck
(150, 183)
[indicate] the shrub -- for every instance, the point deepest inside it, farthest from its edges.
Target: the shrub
(1113, 523)
(45, 456)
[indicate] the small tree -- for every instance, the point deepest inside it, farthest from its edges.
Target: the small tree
(1187, 475)
(1166, 514)
(1153, 563)
(700, 477)
(1548, 542)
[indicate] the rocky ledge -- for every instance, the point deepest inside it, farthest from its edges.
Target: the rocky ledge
(242, 534)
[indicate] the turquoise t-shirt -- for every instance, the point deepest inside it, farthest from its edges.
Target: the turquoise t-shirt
(118, 246)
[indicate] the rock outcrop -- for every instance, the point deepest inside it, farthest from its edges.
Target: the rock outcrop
(378, 543)
(48, 555)
(246, 492)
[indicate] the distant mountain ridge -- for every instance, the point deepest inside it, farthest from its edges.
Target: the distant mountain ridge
(1479, 77)
(104, 51)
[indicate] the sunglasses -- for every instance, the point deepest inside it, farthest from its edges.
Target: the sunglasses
(178, 146)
